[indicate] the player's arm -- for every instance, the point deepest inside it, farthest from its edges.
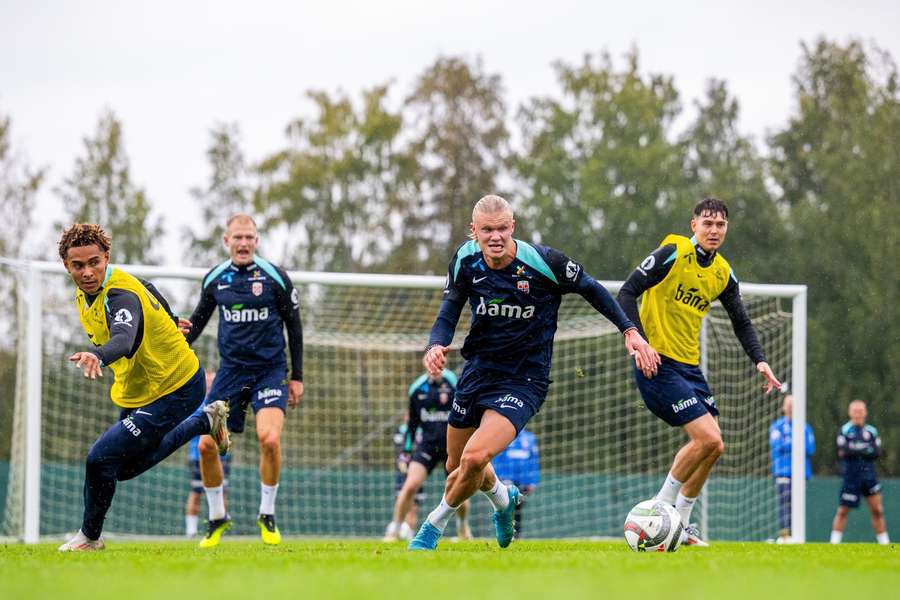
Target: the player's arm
(649, 273)
(412, 424)
(201, 315)
(841, 445)
(455, 295)
(745, 332)
(287, 301)
(810, 441)
(777, 442)
(572, 278)
(125, 319)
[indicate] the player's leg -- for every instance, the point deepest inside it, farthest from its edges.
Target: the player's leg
(839, 523)
(434, 524)
(783, 496)
(463, 531)
(269, 423)
(416, 474)
(876, 509)
(191, 514)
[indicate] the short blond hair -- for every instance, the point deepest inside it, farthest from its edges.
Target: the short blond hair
(242, 217)
(491, 204)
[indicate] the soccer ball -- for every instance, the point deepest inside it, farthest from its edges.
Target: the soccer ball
(653, 526)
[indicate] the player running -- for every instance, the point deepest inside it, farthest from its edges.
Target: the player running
(159, 382)
(256, 302)
(859, 445)
(514, 290)
(430, 399)
(680, 280)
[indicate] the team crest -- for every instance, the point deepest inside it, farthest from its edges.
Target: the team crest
(256, 288)
(522, 284)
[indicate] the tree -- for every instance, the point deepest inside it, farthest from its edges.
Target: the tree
(461, 144)
(837, 163)
(341, 188)
(19, 185)
(100, 190)
(226, 193)
(602, 174)
(721, 162)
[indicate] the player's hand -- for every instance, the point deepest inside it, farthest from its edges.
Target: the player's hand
(184, 326)
(88, 363)
(435, 359)
(765, 370)
(295, 393)
(645, 357)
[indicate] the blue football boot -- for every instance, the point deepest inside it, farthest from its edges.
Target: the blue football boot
(504, 526)
(426, 539)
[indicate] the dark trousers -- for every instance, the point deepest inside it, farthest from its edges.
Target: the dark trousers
(143, 437)
(783, 497)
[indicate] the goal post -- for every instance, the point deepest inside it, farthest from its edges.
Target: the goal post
(601, 450)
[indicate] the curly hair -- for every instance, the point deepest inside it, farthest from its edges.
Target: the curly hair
(83, 234)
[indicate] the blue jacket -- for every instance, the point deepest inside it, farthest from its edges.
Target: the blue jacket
(520, 463)
(780, 444)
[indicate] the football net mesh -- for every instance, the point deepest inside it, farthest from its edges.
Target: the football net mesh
(601, 450)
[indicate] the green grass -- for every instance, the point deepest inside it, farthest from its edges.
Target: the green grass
(369, 570)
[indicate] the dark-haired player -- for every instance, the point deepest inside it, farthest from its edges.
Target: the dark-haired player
(679, 281)
(513, 290)
(159, 382)
(256, 302)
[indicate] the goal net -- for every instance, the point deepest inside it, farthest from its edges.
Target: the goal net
(601, 451)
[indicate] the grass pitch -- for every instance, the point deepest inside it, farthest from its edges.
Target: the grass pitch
(371, 570)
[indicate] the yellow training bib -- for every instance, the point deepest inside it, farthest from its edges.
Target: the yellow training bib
(163, 361)
(673, 310)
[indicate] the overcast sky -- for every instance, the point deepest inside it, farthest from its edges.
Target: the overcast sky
(171, 70)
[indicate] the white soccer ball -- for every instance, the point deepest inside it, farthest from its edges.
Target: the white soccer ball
(653, 526)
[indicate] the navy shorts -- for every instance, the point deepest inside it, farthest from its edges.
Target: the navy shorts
(197, 479)
(857, 485)
(678, 393)
(516, 397)
(260, 388)
(430, 456)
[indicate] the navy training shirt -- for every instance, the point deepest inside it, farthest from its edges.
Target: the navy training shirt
(515, 309)
(255, 301)
(429, 409)
(858, 447)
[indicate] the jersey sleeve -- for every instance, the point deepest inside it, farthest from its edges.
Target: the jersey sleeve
(412, 425)
(740, 320)
(810, 441)
(125, 318)
(455, 295)
(160, 298)
(649, 273)
(572, 278)
(288, 305)
(202, 312)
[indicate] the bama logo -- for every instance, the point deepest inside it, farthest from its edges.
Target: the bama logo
(683, 404)
(690, 297)
(434, 416)
(495, 307)
(130, 426)
(238, 314)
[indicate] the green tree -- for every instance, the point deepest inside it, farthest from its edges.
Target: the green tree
(100, 190)
(721, 162)
(19, 185)
(227, 192)
(603, 177)
(338, 187)
(837, 163)
(461, 143)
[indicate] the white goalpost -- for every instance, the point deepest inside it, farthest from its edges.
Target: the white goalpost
(601, 450)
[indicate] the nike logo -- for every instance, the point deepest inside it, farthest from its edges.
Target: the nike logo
(270, 400)
(143, 412)
(509, 406)
(479, 279)
(222, 287)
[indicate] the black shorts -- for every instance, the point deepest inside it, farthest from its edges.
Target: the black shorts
(430, 456)
(516, 397)
(197, 480)
(856, 485)
(678, 393)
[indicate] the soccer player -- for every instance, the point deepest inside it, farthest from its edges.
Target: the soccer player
(158, 383)
(256, 302)
(514, 290)
(859, 445)
(403, 458)
(192, 505)
(430, 399)
(520, 465)
(679, 281)
(780, 445)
